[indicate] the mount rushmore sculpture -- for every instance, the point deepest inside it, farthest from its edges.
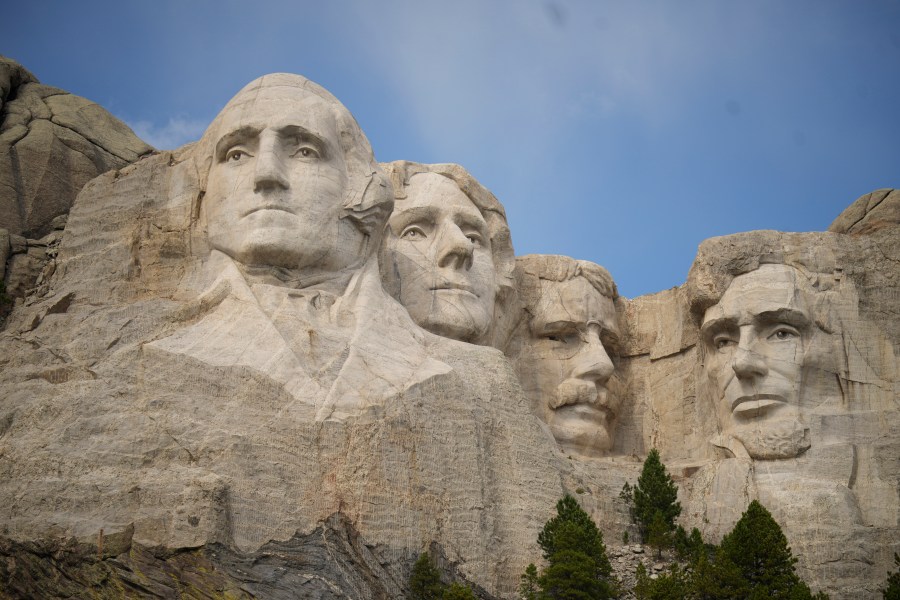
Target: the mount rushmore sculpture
(267, 335)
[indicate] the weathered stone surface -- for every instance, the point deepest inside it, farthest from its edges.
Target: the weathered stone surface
(330, 562)
(51, 144)
(871, 212)
(207, 368)
(447, 256)
(176, 392)
(563, 349)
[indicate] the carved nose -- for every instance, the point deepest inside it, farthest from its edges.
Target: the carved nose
(455, 249)
(748, 364)
(593, 362)
(270, 170)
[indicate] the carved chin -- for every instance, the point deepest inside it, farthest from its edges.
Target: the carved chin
(782, 439)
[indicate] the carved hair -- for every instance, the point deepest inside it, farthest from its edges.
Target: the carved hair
(368, 199)
(554, 267)
(718, 264)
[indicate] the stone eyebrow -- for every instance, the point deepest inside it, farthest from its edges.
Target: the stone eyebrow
(718, 324)
(413, 214)
(241, 134)
(791, 316)
(305, 135)
(539, 325)
(473, 219)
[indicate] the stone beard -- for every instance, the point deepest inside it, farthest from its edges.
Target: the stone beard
(759, 344)
(565, 361)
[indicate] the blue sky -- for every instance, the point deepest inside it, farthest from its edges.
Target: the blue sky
(622, 132)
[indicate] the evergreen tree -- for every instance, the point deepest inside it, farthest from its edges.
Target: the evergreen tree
(659, 535)
(892, 589)
(655, 492)
(577, 565)
(689, 547)
(425, 581)
(457, 591)
(718, 579)
(671, 585)
(528, 583)
(759, 550)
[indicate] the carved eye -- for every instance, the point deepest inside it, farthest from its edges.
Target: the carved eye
(475, 238)
(784, 333)
(413, 234)
(307, 152)
(562, 338)
(235, 155)
(722, 342)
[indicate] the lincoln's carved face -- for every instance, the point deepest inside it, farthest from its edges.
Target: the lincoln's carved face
(277, 181)
(565, 364)
(439, 248)
(756, 340)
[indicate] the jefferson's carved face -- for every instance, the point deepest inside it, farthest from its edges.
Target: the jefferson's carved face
(756, 340)
(439, 249)
(277, 181)
(565, 364)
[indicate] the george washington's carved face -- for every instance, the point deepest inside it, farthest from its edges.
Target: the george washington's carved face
(277, 183)
(756, 341)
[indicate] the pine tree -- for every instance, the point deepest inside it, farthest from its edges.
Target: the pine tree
(528, 583)
(659, 535)
(457, 591)
(674, 584)
(892, 589)
(577, 565)
(759, 550)
(718, 579)
(655, 492)
(425, 580)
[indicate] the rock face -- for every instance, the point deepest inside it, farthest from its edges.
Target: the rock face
(227, 381)
(51, 144)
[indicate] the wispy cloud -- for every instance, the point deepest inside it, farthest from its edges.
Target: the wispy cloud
(170, 135)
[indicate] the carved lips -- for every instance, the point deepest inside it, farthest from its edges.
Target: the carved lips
(756, 404)
(451, 286)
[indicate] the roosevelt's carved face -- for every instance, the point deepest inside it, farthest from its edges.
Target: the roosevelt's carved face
(756, 340)
(565, 364)
(277, 182)
(439, 250)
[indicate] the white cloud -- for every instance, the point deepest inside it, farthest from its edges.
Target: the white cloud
(174, 133)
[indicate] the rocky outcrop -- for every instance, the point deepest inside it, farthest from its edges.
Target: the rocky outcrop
(51, 144)
(207, 402)
(869, 213)
(332, 561)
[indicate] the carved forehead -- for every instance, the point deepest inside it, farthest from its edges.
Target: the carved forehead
(574, 301)
(276, 106)
(769, 289)
(437, 191)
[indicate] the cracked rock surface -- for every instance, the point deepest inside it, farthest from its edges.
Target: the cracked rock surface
(51, 144)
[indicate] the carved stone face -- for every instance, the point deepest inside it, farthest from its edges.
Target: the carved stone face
(565, 364)
(277, 181)
(756, 340)
(440, 251)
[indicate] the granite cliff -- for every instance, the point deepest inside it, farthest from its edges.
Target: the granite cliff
(266, 365)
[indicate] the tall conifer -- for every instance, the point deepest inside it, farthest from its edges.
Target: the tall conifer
(655, 492)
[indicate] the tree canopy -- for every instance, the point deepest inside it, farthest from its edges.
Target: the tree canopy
(654, 493)
(577, 565)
